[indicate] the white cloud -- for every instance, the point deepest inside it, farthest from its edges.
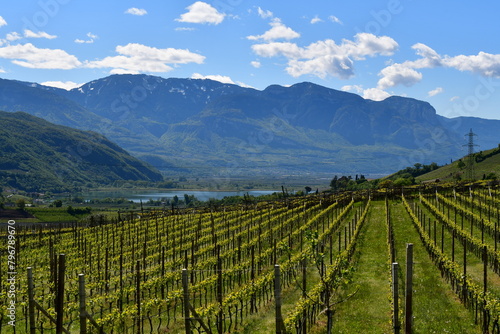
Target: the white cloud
(68, 85)
(123, 71)
(349, 88)
(316, 19)
(335, 19)
(255, 64)
(91, 39)
(136, 11)
(40, 34)
(221, 78)
(264, 13)
(454, 98)
(278, 31)
(398, 74)
(201, 12)
(2, 70)
(430, 58)
(2, 22)
(327, 58)
(289, 50)
(484, 64)
(436, 91)
(242, 84)
(29, 56)
(365, 44)
(136, 58)
(375, 94)
(13, 36)
(217, 77)
(404, 73)
(184, 29)
(321, 66)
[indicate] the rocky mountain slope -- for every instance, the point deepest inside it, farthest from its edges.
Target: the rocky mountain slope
(205, 127)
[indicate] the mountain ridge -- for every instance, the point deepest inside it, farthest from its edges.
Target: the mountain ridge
(206, 127)
(36, 155)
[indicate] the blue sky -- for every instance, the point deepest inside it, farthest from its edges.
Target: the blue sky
(444, 52)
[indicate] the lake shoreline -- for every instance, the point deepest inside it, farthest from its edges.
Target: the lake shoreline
(144, 195)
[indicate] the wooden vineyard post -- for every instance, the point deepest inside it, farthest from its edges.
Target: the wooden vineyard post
(495, 264)
(395, 298)
(482, 231)
(81, 293)
(59, 305)
(485, 287)
(495, 235)
(138, 294)
(442, 238)
(280, 325)
(409, 289)
(331, 248)
(435, 239)
(345, 237)
(31, 302)
(187, 322)
(429, 228)
(220, 314)
(120, 301)
(162, 270)
(453, 246)
(253, 307)
(340, 242)
(304, 293)
(464, 287)
(84, 315)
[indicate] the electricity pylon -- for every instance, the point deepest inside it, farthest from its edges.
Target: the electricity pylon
(471, 159)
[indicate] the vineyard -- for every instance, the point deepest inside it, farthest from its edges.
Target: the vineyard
(298, 265)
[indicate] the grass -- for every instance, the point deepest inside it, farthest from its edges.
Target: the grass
(489, 165)
(368, 311)
(436, 309)
(53, 214)
(474, 263)
(263, 322)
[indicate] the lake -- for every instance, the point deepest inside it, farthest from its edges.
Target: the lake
(201, 195)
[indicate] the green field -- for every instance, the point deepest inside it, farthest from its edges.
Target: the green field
(335, 246)
(484, 163)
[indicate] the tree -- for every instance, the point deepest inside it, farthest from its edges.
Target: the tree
(401, 182)
(490, 176)
(20, 204)
(308, 189)
(333, 183)
(460, 164)
(361, 179)
(187, 200)
(385, 184)
(57, 203)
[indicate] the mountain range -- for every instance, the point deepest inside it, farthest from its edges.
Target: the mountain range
(204, 127)
(36, 155)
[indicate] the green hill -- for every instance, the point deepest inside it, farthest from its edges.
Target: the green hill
(486, 165)
(36, 155)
